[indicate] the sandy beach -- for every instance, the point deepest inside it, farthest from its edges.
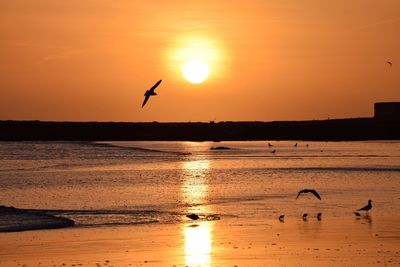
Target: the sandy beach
(345, 241)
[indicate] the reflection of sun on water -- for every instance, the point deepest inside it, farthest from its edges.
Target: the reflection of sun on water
(198, 244)
(195, 187)
(195, 192)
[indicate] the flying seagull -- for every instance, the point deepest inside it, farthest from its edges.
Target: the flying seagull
(150, 92)
(367, 207)
(193, 216)
(315, 193)
(390, 63)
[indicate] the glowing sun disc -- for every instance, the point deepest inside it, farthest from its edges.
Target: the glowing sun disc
(195, 71)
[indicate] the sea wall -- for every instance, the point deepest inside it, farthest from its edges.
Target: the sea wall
(335, 130)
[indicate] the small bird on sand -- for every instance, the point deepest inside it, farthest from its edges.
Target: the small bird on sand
(295, 145)
(305, 216)
(319, 216)
(273, 151)
(269, 145)
(282, 217)
(193, 216)
(357, 214)
(390, 63)
(315, 193)
(150, 92)
(367, 207)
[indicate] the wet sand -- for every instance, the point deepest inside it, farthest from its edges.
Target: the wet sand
(335, 241)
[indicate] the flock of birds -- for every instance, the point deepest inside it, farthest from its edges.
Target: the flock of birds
(281, 218)
(273, 151)
(319, 215)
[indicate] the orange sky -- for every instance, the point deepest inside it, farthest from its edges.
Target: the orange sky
(93, 60)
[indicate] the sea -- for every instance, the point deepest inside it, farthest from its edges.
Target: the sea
(98, 184)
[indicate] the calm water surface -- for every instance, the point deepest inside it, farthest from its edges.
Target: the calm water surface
(159, 182)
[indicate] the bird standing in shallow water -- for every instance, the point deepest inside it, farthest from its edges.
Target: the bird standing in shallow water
(282, 217)
(319, 216)
(367, 207)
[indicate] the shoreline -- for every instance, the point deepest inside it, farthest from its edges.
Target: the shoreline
(17, 220)
(333, 241)
(357, 129)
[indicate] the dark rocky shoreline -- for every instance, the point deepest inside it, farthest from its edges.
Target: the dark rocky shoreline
(15, 220)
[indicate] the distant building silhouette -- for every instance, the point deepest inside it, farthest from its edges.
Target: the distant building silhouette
(388, 111)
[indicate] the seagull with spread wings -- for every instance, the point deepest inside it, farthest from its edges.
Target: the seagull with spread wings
(150, 92)
(312, 191)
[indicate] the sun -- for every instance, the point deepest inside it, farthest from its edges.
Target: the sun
(195, 71)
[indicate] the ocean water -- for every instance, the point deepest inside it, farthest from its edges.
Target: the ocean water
(120, 183)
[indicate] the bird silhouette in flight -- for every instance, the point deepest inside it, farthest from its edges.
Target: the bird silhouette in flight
(367, 207)
(150, 92)
(390, 63)
(312, 191)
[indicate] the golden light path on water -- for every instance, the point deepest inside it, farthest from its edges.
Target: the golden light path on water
(198, 237)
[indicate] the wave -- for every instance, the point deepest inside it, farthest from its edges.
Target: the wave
(342, 169)
(13, 219)
(139, 149)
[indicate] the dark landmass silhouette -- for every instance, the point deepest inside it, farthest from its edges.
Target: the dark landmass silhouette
(318, 130)
(15, 220)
